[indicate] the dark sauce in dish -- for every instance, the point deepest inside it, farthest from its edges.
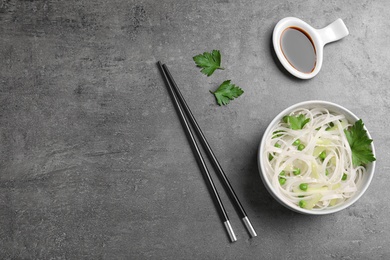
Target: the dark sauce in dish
(299, 50)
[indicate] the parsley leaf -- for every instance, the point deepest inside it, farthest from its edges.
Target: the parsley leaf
(296, 122)
(226, 92)
(209, 62)
(360, 144)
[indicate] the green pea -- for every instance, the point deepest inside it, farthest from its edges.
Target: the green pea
(282, 181)
(297, 142)
(301, 147)
(302, 203)
(303, 186)
(296, 171)
(344, 177)
(322, 155)
(277, 145)
(282, 173)
(285, 119)
(278, 133)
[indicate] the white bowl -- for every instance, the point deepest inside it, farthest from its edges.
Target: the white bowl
(279, 196)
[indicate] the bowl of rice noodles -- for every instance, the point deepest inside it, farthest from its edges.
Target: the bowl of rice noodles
(316, 158)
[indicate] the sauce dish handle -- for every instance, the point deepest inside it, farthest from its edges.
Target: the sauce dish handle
(333, 32)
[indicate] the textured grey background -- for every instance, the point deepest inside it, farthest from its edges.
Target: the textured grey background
(94, 163)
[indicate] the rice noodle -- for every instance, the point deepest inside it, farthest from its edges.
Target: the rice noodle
(324, 132)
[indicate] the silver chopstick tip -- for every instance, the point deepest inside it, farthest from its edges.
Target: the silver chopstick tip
(230, 231)
(249, 226)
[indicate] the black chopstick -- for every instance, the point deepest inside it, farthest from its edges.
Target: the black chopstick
(221, 210)
(212, 157)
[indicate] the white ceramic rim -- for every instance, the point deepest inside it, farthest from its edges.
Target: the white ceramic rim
(276, 194)
(316, 40)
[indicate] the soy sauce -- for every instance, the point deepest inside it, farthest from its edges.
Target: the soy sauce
(299, 50)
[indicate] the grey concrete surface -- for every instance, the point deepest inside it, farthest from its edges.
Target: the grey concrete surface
(94, 163)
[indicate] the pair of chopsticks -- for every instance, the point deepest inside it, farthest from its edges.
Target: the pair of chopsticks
(185, 114)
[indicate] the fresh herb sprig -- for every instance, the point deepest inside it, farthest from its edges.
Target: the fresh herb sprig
(360, 144)
(226, 92)
(209, 62)
(296, 122)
